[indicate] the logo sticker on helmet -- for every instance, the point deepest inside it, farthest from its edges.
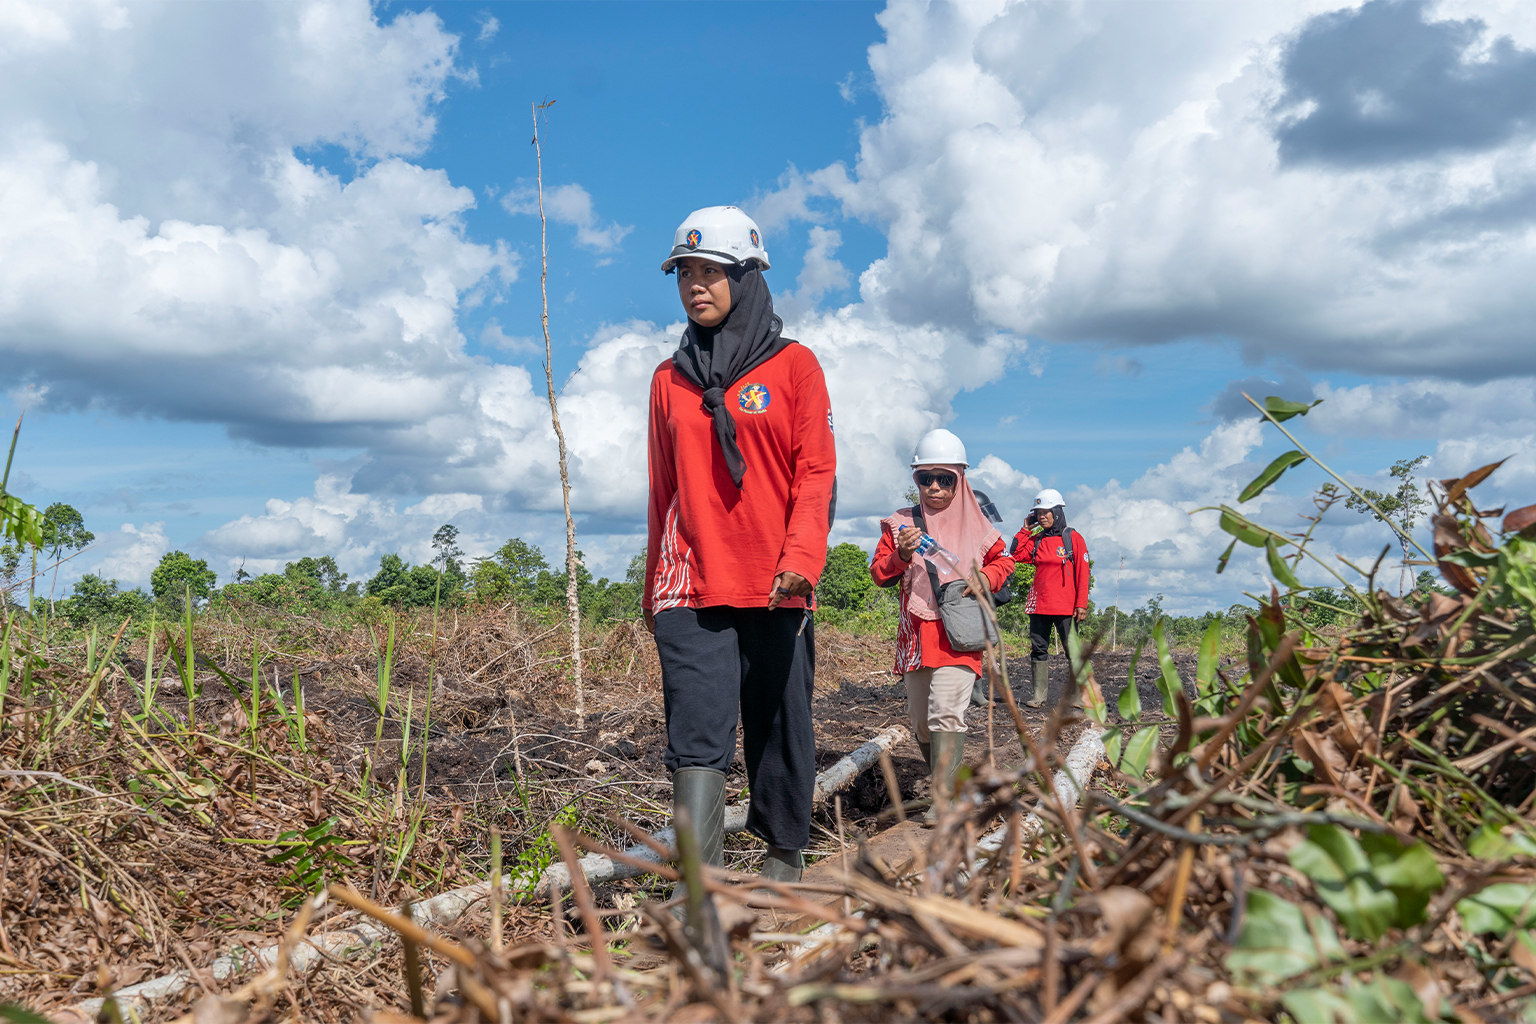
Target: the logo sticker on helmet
(753, 398)
(756, 242)
(694, 239)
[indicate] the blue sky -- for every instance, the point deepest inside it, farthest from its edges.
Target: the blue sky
(269, 291)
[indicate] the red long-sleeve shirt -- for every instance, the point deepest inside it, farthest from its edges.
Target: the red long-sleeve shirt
(710, 543)
(922, 643)
(1059, 589)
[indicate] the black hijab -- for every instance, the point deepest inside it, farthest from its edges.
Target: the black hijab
(1059, 528)
(714, 358)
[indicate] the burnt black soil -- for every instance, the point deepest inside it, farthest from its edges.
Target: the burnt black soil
(618, 753)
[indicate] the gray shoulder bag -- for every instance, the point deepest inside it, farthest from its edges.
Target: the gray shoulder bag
(966, 627)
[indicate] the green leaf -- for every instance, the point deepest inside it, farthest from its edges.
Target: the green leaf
(1318, 1006)
(1112, 740)
(1409, 870)
(19, 521)
(1469, 559)
(1226, 556)
(1237, 525)
(1272, 472)
(1372, 884)
(1499, 908)
(1283, 574)
(1129, 702)
(1168, 680)
(1282, 410)
(20, 1015)
(1138, 752)
(1380, 999)
(1488, 842)
(1210, 651)
(1279, 942)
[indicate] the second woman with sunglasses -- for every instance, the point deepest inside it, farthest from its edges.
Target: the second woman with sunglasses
(937, 675)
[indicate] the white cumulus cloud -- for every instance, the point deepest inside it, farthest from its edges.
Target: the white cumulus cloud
(569, 204)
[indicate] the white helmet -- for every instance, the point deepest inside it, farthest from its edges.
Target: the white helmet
(1048, 498)
(939, 448)
(720, 233)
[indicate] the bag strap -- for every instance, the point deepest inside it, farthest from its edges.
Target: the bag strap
(933, 572)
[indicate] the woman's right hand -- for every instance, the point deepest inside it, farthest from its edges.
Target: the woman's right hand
(907, 541)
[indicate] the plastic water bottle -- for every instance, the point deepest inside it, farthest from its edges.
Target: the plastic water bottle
(927, 547)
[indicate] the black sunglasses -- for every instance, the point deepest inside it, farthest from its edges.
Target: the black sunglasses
(924, 478)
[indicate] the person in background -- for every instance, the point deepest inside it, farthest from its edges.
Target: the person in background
(742, 466)
(938, 678)
(1058, 599)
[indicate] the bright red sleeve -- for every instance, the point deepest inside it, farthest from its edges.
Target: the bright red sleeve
(662, 472)
(998, 566)
(1080, 570)
(815, 467)
(887, 566)
(1023, 546)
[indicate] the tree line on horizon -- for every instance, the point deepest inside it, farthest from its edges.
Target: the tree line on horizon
(519, 572)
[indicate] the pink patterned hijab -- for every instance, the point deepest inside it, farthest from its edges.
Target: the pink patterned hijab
(962, 528)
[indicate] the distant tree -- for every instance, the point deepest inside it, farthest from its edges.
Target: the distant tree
(845, 580)
(417, 586)
(1427, 583)
(445, 545)
(321, 572)
(1404, 506)
(64, 530)
(512, 571)
(95, 599)
(179, 574)
(10, 564)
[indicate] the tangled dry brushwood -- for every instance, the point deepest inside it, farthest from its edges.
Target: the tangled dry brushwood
(1340, 835)
(1341, 832)
(144, 832)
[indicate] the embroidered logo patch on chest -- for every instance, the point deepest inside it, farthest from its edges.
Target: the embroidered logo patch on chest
(1061, 552)
(753, 398)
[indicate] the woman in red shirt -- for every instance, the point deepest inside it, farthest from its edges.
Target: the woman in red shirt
(741, 464)
(1058, 599)
(938, 677)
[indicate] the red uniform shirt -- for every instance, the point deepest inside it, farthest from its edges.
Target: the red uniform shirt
(710, 543)
(1060, 588)
(922, 643)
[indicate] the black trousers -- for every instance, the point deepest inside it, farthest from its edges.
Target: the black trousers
(1040, 627)
(719, 662)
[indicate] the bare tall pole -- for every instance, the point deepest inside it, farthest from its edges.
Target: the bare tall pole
(572, 594)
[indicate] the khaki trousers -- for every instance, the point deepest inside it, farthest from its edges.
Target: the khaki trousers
(937, 699)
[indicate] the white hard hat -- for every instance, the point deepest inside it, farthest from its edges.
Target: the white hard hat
(1049, 498)
(939, 448)
(720, 233)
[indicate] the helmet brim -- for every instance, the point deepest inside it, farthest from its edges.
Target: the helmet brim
(714, 256)
(683, 252)
(916, 464)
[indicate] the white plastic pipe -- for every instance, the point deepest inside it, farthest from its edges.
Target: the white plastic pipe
(449, 906)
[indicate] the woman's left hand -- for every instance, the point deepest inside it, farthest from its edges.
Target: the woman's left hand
(1081, 615)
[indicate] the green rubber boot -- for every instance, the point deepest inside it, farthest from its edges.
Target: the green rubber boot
(979, 693)
(702, 792)
(782, 865)
(1042, 671)
(948, 754)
